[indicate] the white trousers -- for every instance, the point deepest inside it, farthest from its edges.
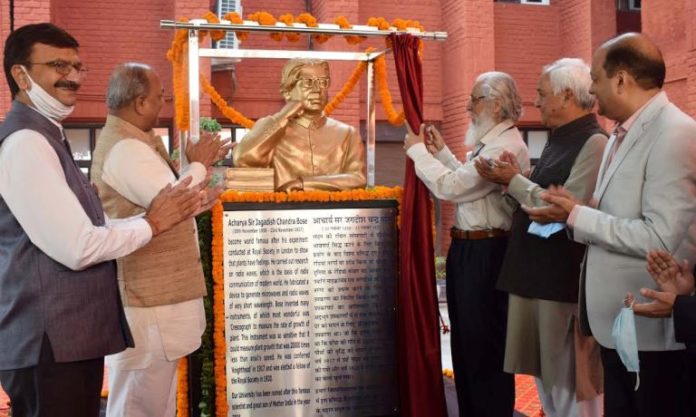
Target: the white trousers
(560, 401)
(148, 392)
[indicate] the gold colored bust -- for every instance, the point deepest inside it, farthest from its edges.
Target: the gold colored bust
(307, 150)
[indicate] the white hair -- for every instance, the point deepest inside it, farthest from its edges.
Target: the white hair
(502, 86)
(571, 74)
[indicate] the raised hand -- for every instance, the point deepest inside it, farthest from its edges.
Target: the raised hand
(433, 140)
(670, 275)
(209, 149)
(412, 138)
(562, 203)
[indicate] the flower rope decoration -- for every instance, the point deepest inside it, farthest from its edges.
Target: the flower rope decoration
(219, 346)
(343, 23)
(235, 18)
(311, 22)
(394, 117)
(212, 18)
(182, 402)
(347, 88)
(266, 19)
(289, 19)
(230, 112)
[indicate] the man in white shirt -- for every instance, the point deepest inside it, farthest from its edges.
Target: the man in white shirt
(477, 311)
(162, 284)
(60, 311)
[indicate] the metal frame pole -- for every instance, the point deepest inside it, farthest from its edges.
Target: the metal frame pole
(194, 94)
(370, 124)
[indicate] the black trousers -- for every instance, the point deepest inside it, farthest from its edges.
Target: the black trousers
(51, 389)
(478, 316)
(664, 389)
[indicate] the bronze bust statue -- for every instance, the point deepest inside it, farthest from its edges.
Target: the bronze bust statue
(307, 150)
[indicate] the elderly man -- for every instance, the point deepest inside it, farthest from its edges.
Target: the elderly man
(644, 200)
(477, 310)
(162, 284)
(308, 150)
(60, 311)
(541, 273)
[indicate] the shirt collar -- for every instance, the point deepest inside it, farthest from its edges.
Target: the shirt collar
(307, 122)
(497, 130)
(626, 125)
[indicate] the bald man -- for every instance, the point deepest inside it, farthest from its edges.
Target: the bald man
(644, 200)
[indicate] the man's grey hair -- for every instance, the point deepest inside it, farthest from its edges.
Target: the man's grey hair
(571, 74)
(128, 82)
(502, 86)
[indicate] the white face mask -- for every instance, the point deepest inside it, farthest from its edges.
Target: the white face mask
(45, 103)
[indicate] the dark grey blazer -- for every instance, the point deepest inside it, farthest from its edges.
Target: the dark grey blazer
(79, 311)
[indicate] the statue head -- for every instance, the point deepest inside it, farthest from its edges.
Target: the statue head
(306, 81)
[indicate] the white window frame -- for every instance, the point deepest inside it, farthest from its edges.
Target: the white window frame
(536, 3)
(230, 41)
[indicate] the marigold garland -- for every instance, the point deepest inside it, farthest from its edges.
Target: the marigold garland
(182, 403)
(343, 23)
(219, 101)
(311, 22)
(289, 19)
(235, 18)
(347, 88)
(266, 19)
(212, 18)
(219, 345)
(394, 117)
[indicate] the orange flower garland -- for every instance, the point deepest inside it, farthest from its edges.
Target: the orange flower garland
(219, 345)
(177, 56)
(394, 117)
(311, 22)
(235, 18)
(346, 89)
(212, 18)
(266, 19)
(228, 111)
(289, 19)
(342, 22)
(182, 403)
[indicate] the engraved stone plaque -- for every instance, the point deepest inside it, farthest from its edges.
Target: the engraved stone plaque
(310, 309)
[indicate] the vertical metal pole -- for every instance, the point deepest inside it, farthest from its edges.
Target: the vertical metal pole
(370, 124)
(194, 91)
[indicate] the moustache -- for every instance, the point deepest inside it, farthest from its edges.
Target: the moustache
(70, 85)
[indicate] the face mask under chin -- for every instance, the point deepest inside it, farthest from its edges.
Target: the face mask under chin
(45, 103)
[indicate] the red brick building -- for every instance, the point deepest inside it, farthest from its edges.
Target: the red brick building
(515, 36)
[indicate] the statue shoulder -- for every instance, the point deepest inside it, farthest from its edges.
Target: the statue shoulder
(344, 129)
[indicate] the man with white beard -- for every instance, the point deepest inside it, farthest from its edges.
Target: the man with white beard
(478, 312)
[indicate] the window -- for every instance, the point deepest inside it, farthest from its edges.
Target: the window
(630, 5)
(536, 139)
(539, 2)
(83, 137)
(224, 7)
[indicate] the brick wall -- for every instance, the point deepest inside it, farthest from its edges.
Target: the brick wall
(666, 22)
(527, 38)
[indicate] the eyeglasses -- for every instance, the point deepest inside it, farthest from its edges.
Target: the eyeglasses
(309, 83)
(64, 67)
(475, 99)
